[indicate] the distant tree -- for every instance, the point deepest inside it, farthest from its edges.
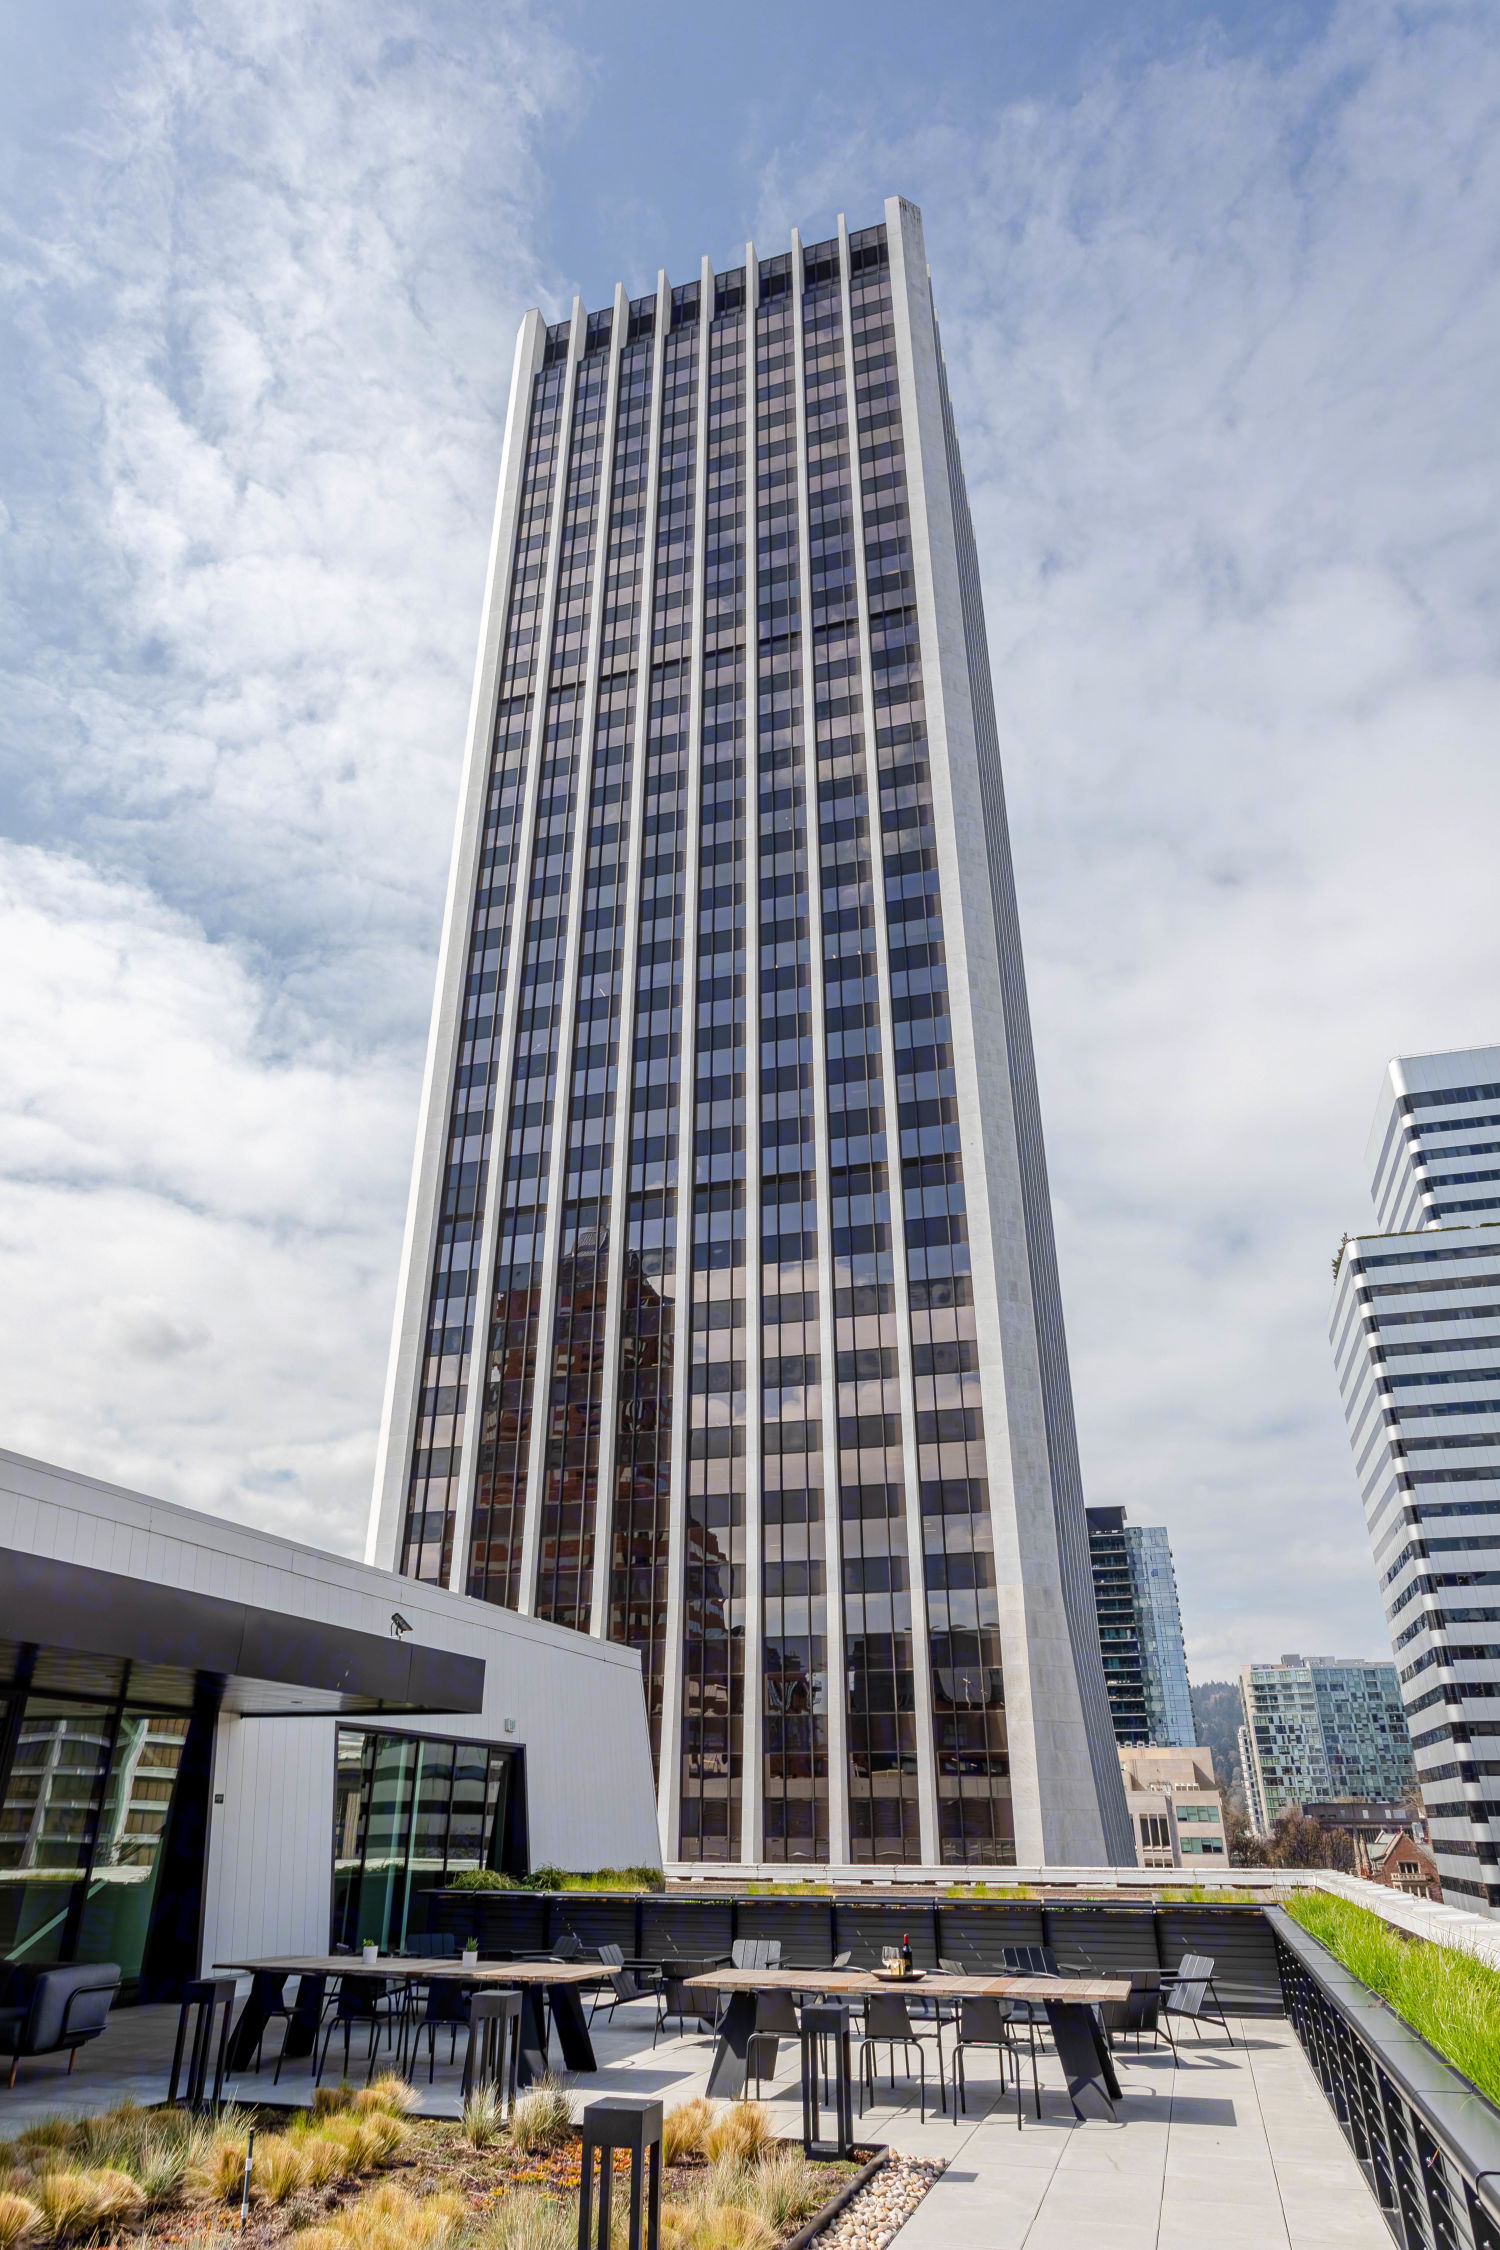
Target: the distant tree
(1246, 1849)
(1216, 1719)
(1297, 1840)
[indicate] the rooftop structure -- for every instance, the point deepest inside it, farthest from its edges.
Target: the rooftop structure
(729, 1326)
(1416, 1339)
(218, 1741)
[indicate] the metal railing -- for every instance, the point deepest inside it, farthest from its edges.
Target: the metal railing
(1426, 2139)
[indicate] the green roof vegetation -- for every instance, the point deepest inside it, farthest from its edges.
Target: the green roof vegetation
(1449, 1997)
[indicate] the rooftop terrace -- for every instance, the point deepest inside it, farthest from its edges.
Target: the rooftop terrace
(1233, 2144)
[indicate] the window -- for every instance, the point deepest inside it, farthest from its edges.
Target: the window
(1201, 1844)
(1156, 1832)
(86, 1799)
(409, 1813)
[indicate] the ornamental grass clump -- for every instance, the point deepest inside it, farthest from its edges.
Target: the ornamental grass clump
(782, 2188)
(1452, 1999)
(482, 2118)
(543, 2118)
(702, 2223)
(387, 2218)
(390, 2093)
(740, 2131)
(683, 2128)
(527, 2219)
(20, 2221)
(280, 2168)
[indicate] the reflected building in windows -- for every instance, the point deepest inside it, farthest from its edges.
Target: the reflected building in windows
(729, 1322)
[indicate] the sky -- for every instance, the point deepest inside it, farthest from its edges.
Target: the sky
(1220, 293)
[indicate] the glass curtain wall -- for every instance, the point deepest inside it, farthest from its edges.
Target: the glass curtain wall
(87, 1790)
(410, 1813)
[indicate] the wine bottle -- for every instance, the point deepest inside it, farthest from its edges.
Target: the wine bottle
(906, 1960)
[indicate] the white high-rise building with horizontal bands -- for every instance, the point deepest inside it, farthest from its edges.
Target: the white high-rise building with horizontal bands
(729, 1322)
(1416, 1339)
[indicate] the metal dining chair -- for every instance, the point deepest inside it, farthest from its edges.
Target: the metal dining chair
(984, 2022)
(445, 2007)
(359, 2000)
(624, 1985)
(889, 2023)
(775, 2019)
(1189, 1989)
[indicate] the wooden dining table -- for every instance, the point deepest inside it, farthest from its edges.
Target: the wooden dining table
(1070, 2004)
(543, 1985)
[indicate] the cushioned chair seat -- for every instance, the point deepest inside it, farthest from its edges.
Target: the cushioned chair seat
(66, 2007)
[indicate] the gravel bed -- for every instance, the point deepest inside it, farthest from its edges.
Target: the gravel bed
(881, 2210)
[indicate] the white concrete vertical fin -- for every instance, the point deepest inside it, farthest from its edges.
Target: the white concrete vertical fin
(398, 1422)
(625, 1078)
(562, 1101)
(920, 1645)
(505, 1054)
(609, 1389)
(835, 1697)
(1056, 1797)
(752, 1769)
(669, 1786)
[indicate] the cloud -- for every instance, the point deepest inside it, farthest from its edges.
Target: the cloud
(260, 311)
(1223, 335)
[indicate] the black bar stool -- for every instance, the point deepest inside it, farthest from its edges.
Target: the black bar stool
(825, 2024)
(631, 2122)
(202, 2000)
(491, 2016)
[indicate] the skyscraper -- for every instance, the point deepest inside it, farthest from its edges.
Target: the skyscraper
(1321, 1727)
(1140, 1631)
(1416, 1341)
(729, 1321)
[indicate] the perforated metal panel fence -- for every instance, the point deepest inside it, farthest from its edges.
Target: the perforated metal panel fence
(814, 1930)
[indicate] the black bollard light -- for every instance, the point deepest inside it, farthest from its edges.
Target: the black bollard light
(627, 2121)
(494, 2027)
(827, 2020)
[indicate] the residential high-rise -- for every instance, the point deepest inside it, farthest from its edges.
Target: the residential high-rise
(1140, 1631)
(1321, 1727)
(729, 1323)
(1416, 1340)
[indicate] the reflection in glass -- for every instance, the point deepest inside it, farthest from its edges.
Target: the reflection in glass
(409, 1812)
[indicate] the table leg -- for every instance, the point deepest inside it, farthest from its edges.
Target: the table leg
(265, 1991)
(572, 2027)
(533, 2063)
(302, 2031)
(726, 2080)
(1093, 2088)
